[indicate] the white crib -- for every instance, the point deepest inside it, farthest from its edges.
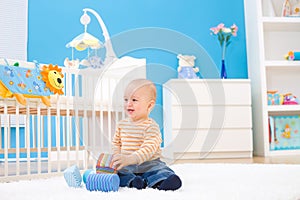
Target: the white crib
(37, 141)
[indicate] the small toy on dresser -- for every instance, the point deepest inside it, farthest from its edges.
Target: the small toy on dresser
(186, 69)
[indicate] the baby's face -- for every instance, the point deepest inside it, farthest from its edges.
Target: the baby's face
(137, 104)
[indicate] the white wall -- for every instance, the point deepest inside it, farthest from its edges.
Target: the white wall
(13, 29)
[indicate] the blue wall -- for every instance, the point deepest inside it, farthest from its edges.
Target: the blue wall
(53, 23)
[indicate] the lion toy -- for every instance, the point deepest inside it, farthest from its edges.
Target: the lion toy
(22, 83)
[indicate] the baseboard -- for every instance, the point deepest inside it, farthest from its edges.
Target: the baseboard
(210, 155)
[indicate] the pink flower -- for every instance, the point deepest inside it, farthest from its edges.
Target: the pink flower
(224, 35)
(217, 29)
(214, 30)
(220, 26)
(234, 29)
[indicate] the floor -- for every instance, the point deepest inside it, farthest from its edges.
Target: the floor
(23, 166)
(261, 160)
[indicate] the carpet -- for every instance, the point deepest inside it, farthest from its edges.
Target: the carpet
(200, 181)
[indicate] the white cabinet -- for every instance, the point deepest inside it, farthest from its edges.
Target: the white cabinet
(207, 118)
(269, 38)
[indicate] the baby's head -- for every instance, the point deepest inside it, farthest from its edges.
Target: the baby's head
(139, 99)
(141, 84)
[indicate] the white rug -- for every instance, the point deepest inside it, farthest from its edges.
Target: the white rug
(200, 181)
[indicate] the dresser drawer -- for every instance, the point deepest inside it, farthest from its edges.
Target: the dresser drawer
(211, 140)
(208, 92)
(197, 117)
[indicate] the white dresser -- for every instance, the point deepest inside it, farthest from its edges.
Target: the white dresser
(207, 118)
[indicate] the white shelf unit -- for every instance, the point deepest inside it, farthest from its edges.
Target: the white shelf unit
(269, 39)
(207, 118)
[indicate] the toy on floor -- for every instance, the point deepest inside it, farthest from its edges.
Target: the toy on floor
(105, 165)
(22, 83)
(72, 176)
(86, 174)
(186, 69)
(104, 180)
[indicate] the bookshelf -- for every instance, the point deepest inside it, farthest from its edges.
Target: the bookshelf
(269, 37)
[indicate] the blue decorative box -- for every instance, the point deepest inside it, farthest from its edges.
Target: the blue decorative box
(284, 132)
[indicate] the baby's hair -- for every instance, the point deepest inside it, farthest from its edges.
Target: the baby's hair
(140, 83)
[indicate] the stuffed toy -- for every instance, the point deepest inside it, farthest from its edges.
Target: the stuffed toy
(290, 99)
(22, 83)
(71, 63)
(186, 69)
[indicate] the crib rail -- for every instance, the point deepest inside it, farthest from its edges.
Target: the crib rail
(40, 141)
(53, 111)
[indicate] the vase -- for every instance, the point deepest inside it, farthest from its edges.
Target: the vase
(223, 74)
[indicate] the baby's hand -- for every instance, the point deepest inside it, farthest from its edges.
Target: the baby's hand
(121, 160)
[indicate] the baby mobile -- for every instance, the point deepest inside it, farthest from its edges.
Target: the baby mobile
(85, 41)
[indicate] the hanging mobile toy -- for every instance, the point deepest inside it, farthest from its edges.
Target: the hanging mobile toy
(85, 41)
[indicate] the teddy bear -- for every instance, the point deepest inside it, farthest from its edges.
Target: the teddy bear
(186, 69)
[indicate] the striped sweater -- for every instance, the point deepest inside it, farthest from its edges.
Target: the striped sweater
(142, 139)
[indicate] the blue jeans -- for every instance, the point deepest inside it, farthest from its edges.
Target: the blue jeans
(152, 172)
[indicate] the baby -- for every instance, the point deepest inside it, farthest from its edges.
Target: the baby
(136, 143)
